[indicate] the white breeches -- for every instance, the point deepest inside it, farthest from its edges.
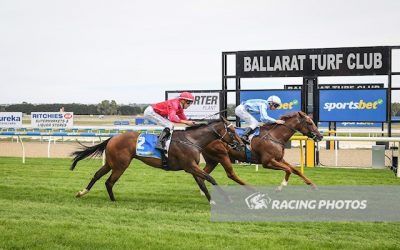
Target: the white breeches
(150, 114)
(246, 116)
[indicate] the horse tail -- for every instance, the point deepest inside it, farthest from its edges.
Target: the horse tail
(88, 151)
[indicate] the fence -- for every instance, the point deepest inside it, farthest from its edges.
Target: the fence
(51, 136)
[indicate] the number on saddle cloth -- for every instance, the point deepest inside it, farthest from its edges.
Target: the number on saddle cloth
(146, 144)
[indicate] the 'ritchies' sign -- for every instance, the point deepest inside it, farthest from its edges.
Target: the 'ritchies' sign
(313, 62)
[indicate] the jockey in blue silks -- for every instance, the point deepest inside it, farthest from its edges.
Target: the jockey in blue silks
(257, 106)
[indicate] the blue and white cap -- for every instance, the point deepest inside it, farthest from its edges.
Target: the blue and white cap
(274, 100)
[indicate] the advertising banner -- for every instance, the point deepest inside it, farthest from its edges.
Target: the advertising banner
(291, 100)
(352, 124)
(353, 105)
(205, 105)
(10, 119)
(313, 62)
(52, 119)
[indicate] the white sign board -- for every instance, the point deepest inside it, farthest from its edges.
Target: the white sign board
(205, 105)
(10, 119)
(52, 119)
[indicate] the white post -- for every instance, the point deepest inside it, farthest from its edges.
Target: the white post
(336, 153)
(48, 148)
(301, 157)
(23, 150)
(256, 167)
(104, 157)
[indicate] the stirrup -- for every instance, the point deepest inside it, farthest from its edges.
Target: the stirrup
(160, 147)
(245, 139)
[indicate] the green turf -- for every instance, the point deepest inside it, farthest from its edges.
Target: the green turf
(161, 210)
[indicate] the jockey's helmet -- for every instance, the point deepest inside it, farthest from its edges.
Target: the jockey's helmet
(186, 96)
(274, 100)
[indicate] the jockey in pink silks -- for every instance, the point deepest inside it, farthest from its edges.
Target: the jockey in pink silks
(167, 113)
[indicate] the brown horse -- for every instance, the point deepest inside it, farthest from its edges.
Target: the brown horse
(267, 149)
(184, 153)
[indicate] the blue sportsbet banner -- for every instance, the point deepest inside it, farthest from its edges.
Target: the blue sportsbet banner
(291, 100)
(353, 105)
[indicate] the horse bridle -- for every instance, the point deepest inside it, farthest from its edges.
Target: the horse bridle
(304, 123)
(221, 137)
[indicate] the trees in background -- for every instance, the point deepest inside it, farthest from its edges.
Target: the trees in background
(396, 109)
(105, 107)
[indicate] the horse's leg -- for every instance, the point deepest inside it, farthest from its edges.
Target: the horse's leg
(201, 175)
(210, 166)
(118, 165)
(100, 173)
(226, 163)
(301, 175)
(196, 171)
(280, 166)
(115, 175)
(202, 186)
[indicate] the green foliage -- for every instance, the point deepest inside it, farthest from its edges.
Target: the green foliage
(231, 109)
(157, 209)
(105, 108)
(396, 109)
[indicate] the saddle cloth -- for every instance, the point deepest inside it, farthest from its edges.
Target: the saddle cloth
(247, 149)
(240, 132)
(146, 145)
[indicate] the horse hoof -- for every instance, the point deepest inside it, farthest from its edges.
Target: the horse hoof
(212, 202)
(81, 193)
(278, 189)
(314, 187)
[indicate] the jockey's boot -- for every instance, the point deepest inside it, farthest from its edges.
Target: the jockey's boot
(246, 134)
(162, 139)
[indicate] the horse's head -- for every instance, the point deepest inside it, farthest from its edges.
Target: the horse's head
(304, 124)
(226, 132)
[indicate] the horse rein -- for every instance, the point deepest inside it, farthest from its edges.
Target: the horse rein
(302, 121)
(221, 137)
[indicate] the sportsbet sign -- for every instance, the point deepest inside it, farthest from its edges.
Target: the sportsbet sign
(353, 105)
(52, 119)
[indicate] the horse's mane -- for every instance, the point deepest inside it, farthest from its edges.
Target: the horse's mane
(289, 115)
(283, 117)
(202, 124)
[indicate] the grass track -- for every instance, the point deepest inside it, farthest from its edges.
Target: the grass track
(162, 210)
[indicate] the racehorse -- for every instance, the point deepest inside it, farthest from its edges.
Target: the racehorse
(267, 149)
(184, 153)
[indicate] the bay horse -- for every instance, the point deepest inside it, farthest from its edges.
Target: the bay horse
(184, 153)
(267, 149)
